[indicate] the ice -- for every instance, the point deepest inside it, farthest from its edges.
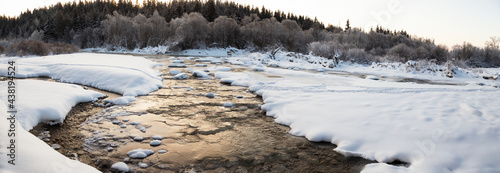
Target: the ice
(174, 72)
(180, 76)
(372, 77)
(219, 68)
(178, 61)
(200, 65)
(139, 153)
(123, 100)
(177, 66)
(120, 166)
(155, 143)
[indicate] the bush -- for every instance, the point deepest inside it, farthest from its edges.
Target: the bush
(63, 48)
(2, 49)
(28, 47)
(359, 56)
(401, 53)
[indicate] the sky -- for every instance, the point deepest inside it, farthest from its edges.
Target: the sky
(448, 22)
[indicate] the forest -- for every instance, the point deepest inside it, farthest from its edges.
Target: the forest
(196, 24)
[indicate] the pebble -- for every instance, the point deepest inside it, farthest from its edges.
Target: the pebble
(125, 120)
(143, 165)
(138, 138)
(210, 95)
(157, 137)
(239, 96)
(134, 123)
(155, 143)
(116, 122)
(162, 151)
(110, 149)
(227, 104)
(56, 146)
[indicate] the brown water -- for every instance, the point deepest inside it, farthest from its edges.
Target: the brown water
(199, 133)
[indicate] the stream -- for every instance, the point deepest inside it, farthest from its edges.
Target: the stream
(197, 133)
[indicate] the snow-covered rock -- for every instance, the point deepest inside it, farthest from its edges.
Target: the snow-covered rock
(200, 74)
(120, 167)
(180, 76)
(123, 100)
(140, 153)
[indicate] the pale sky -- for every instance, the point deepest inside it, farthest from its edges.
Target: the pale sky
(449, 22)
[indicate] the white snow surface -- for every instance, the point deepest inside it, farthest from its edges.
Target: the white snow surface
(42, 101)
(435, 128)
(123, 74)
(32, 154)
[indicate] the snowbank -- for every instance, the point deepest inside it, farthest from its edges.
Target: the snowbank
(32, 154)
(41, 101)
(435, 128)
(123, 74)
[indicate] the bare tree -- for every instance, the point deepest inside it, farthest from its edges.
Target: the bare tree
(493, 43)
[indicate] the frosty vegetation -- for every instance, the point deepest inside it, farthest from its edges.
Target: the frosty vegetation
(194, 24)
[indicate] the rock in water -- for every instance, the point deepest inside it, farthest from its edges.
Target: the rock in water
(210, 95)
(120, 167)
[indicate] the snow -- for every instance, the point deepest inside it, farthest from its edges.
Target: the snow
(123, 74)
(123, 100)
(42, 101)
(219, 68)
(435, 128)
(174, 72)
(143, 165)
(210, 52)
(139, 153)
(120, 166)
(200, 74)
(180, 76)
(32, 153)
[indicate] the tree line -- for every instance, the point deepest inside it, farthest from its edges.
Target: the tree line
(186, 24)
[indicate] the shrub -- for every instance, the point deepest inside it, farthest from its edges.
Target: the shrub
(401, 53)
(28, 47)
(359, 56)
(2, 49)
(63, 48)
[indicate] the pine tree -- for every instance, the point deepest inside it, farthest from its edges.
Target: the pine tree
(347, 25)
(210, 11)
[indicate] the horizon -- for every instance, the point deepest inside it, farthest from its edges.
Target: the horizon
(454, 26)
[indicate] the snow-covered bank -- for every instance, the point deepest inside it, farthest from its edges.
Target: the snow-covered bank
(162, 50)
(435, 128)
(41, 101)
(123, 74)
(31, 153)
